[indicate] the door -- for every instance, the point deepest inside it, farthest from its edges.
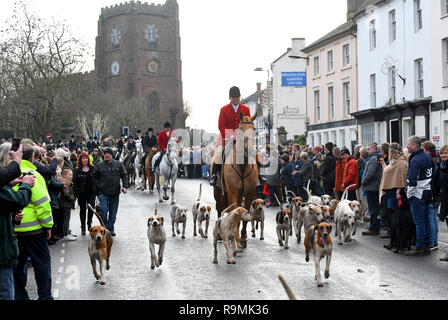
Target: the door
(395, 131)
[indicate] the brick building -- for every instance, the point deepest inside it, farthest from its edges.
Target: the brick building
(138, 55)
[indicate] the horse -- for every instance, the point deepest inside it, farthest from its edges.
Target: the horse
(239, 179)
(148, 174)
(167, 169)
(138, 164)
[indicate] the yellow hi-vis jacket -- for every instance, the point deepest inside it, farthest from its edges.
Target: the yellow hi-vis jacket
(37, 215)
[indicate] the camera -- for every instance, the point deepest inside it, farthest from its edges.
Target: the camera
(15, 144)
(379, 157)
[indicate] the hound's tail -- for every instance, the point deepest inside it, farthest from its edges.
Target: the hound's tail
(345, 194)
(200, 192)
(97, 215)
(308, 189)
(293, 194)
(229, 208)
(288, 290)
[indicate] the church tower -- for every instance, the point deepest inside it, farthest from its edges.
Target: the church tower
(138, 55)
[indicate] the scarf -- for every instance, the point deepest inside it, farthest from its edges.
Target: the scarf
(394, 175)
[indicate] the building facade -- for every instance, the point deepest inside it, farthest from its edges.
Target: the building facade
(138, 54)
(399, 70)
(332, 87)
(289, 91)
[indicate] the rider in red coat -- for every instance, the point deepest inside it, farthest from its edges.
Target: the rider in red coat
(162, 140)
(228, 122)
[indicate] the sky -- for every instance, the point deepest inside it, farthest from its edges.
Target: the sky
(222, 41)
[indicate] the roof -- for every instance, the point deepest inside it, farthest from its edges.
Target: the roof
(254, 97)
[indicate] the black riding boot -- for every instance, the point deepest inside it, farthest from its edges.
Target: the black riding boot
(214, 177)
(156, 164)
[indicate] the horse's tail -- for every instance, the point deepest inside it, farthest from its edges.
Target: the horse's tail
(200, 192)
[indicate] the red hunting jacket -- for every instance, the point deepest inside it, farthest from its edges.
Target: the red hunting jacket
(230, 120)
(350, 174)
(163, 139)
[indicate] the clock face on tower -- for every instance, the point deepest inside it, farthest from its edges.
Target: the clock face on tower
(153, 67)
(115, 68)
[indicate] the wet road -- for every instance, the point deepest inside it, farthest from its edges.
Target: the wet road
(362, 269)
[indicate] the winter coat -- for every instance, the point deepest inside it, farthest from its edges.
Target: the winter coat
(10, 203)
(67, 197)
(83, 181)
(339, 174)
(419, 175)
(9, 173)
(107, 176)
(350, 176)
(286, 176)
(273, 179)
(373, 172)
(54, 188)
(328, 172)
(443, 174)
(305, 173)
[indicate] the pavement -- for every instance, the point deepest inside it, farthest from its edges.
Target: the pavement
(360, 270)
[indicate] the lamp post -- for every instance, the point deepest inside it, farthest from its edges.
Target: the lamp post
(269, 123)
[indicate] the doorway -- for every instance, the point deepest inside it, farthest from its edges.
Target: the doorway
(395, 131)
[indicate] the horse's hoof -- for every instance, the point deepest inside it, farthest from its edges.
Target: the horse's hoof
(244, 244)
(166, 198)
(160, 201)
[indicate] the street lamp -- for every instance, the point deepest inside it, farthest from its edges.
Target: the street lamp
(269, 124)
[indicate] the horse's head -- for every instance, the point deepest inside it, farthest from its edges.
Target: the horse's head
(247, 122)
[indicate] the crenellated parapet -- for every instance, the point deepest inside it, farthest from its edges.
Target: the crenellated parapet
(168, 8)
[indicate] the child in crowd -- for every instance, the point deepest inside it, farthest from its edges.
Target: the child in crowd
(67, 203)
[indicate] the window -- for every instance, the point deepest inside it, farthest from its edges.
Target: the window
(342, 138)
(312, 140)
(373, 90)
(392, 26)
(392, 84)
(367, 133)
(419, 89)
(418, 18)
(333, 137)
(372, 35)
(346, 54)
(445, 59)
(347, 98)
(316, 66)
(331, 103)
(330, 60)
(317, 104)
(444, 7)
(326, 137)
(319, 139)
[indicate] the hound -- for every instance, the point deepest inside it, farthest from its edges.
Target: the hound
(226, 228)
(257, 212)
(313, 199)
(326, 211)
(100, 247)
(201, 212)
(178, 215)
(310, 214)
(156, 235)
(318, 238)
(283, 219)
(345, 218)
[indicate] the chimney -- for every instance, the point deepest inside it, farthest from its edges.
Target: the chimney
(297, 45)
(258, 86)
(353, 7)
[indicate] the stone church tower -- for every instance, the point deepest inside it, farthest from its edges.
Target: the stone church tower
(138, 54)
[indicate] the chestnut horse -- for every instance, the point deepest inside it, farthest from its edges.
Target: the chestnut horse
(240, 173)
(148, 174)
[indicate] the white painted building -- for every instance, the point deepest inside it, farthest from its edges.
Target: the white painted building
(397, 63)
(439, 74)
(289, 91)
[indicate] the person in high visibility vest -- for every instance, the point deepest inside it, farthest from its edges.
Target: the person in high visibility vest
(33, 234)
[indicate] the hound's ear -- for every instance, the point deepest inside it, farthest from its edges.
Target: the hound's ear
(330, 228)
(197, 206)
(209, 208)
(253, 204)
(316, 228)
(149, 219)
(264, 203)
(161, 218)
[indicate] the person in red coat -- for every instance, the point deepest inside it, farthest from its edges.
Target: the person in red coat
(228, 123)
(162, 140)
(350, 176)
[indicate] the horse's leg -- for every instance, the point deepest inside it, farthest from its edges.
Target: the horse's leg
(173, 181)
(158, 186)
(164, 183)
